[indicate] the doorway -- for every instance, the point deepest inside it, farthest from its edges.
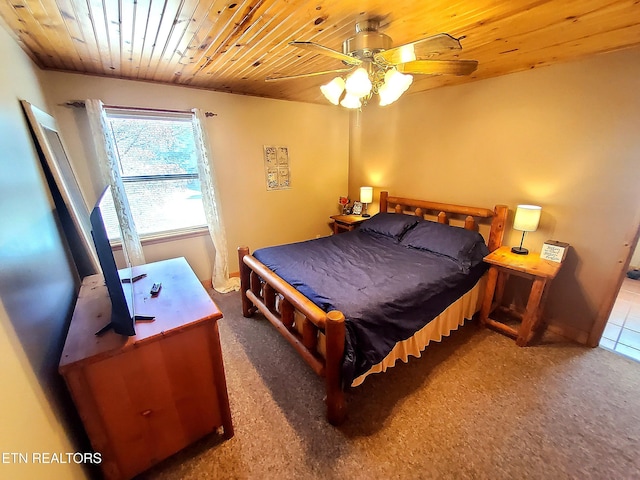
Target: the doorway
(621, 333)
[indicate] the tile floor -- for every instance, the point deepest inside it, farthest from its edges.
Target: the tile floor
(622, 333)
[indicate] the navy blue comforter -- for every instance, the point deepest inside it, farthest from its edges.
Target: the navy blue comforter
(387, 291)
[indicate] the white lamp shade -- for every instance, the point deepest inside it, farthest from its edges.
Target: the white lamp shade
(333, 90)
(366, 194)
(358, 83)
(527, 218)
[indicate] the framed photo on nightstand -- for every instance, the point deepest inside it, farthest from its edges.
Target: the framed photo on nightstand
(554, 251)
(357, 208)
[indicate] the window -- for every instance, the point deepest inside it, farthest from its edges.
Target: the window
(158, 166)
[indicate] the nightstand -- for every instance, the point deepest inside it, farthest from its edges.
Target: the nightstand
(346, 223)
(504, 263)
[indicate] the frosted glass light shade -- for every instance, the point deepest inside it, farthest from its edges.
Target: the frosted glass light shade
(358, 83)
(366, 194)
(395, 84)
(527, 218)
(350, 101)
(333, 90)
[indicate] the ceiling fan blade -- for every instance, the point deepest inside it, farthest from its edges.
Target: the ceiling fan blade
(424, 48)
(439, 67)
(311, 74)
(315, 47)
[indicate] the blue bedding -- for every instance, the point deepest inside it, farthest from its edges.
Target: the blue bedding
(386, 289)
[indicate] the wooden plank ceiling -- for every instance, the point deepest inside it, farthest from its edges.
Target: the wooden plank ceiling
(232, 46)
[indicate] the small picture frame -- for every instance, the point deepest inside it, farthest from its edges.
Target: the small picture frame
(357, 208)
(554, 251)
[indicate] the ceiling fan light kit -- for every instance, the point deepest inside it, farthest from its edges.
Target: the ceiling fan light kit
(358, 83)
(333, 90)
(395, 84)
(351, 101)
(375, 67)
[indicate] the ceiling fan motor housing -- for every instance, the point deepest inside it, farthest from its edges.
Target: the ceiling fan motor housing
(367, 41)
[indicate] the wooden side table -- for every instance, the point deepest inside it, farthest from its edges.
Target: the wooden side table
(504, 263)
(346, 223)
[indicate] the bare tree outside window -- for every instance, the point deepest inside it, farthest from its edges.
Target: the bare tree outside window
(158, 163)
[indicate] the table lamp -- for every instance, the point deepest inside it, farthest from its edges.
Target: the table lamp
(366, 196)
(526, 219)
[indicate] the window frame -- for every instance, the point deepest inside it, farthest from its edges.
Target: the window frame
(164, 235)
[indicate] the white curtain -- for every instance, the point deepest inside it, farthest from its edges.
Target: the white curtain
(108, 160)
(213, 213)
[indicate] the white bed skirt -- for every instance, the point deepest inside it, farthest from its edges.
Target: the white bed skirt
(449, 320)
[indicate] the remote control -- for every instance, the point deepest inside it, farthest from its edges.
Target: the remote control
(155, 290)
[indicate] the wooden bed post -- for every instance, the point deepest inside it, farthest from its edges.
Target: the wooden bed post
(383, 201)
(335, 335)
(497, 227)
(245, 281)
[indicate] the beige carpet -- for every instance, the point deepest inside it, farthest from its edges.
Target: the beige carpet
(474, 406)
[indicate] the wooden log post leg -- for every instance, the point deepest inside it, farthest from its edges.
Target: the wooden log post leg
(245, 275)
(525, 332)
(335, 335)
(503, 278)
(492, 279)
(538, 320)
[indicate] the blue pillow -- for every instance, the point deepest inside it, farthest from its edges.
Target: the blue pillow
(392, 225)
(467, 247)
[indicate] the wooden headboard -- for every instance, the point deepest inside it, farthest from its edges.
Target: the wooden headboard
(444, 211)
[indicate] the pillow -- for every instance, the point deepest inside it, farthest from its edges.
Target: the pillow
(389, 224)
(465, 246)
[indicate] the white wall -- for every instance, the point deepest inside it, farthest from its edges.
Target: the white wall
(317, 137)
(564, 137)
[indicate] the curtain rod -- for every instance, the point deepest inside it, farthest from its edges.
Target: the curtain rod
(80, 104)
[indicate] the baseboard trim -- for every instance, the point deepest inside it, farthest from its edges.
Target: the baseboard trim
(570, 333)
(209, 283)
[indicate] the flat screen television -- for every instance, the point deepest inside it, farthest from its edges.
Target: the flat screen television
(122, 312)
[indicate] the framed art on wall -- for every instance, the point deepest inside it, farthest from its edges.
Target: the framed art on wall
(277, 169)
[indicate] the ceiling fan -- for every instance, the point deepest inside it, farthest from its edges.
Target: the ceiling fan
(374, 66)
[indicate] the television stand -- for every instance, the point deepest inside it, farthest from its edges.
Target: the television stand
(144, 398)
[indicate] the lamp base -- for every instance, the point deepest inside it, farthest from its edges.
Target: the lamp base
(519, 250)
(365, 215)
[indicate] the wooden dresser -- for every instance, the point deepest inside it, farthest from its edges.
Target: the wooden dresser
(143, 398)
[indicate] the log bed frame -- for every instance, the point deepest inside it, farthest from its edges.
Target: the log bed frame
(259, 287)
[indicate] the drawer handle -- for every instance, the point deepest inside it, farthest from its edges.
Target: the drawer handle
(146, 413)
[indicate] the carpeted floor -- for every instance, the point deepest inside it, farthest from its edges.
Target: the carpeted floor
(474, 406)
